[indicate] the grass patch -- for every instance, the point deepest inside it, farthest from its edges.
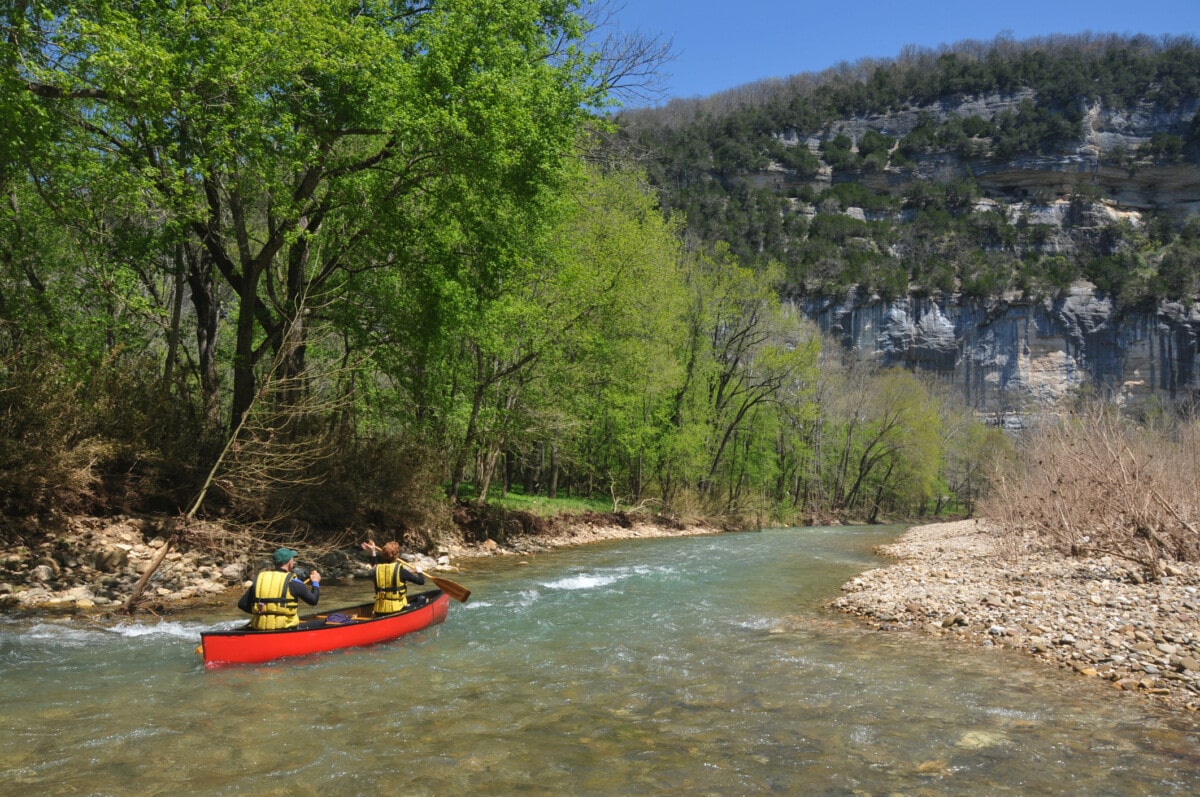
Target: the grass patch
(544, 506)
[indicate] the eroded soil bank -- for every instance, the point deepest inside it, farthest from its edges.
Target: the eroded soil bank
(91, 564)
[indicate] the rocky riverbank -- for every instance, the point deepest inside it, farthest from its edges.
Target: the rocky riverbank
(92, 564)
(1098, 617)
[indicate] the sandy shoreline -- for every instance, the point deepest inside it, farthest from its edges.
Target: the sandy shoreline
(1094, 617)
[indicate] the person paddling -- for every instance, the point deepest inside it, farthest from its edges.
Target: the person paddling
(273, 599)
(391, 592)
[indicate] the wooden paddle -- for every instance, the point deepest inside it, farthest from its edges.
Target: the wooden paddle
(456, 591)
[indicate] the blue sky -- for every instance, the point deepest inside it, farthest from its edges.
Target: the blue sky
(727, 43)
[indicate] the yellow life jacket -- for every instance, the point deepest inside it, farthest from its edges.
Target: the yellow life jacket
(275, 608)
(391, 595)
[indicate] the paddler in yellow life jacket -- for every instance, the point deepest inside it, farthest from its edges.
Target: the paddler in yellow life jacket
(391, 593)
(273, 600)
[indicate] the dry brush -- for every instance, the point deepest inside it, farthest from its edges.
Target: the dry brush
(1097, 483)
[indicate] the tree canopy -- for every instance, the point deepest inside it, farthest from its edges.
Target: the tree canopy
(365, 257)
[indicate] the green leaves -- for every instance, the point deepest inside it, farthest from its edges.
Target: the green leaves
(384, 205)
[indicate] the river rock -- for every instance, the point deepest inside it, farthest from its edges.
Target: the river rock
(111, 560)
(1186, 664)
(1085, 615)
(48, 562)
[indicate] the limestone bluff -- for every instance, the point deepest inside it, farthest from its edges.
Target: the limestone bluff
(1003, 350)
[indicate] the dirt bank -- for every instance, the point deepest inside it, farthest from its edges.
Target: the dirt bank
(91, 564)
(580, 530)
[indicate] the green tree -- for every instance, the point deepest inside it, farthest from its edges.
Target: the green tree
(576, 336)
(284, 140)
(887, 434)
(745, 354)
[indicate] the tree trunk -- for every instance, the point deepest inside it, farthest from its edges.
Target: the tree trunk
(208, 316)
(176, 316)
(293, 346)
(140, 586)
(460, 462)
(879, 495)
(245, 357)
(487, 467)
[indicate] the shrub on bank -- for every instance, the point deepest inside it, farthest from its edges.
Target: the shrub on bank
(1097, 483)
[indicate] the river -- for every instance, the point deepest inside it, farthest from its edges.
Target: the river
(678, 666)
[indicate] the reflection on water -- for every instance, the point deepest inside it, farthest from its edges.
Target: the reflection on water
(684, 666)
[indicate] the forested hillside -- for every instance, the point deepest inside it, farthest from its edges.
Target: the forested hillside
(977, 168)
(313, 266)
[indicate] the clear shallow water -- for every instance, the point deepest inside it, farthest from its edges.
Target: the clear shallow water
(652, 667)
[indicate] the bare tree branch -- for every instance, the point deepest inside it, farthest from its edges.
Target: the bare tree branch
(629, 64)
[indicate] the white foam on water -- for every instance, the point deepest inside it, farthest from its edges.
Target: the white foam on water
(138, 734)
(1011, 713)
(653, 570)
(66, 635)
(594, 580)
(756, 624)
(165, 628)
(517, 601)
(77, 636)
(582, 581)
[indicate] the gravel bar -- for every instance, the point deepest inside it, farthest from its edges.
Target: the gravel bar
(1097, 617)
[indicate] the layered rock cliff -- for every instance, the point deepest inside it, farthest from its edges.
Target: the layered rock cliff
(1012, 355)
(1004, 170)
(1094, 164)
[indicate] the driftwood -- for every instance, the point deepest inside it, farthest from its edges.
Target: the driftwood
(177, 529)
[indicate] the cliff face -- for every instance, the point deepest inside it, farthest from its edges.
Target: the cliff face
(980, 169)
(1010, 353)
(1129, 186)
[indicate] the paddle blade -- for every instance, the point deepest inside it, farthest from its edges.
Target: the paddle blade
(456, 591)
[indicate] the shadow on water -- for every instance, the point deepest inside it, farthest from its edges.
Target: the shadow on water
(700, 665)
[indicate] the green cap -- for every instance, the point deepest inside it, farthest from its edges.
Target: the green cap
(285, 555)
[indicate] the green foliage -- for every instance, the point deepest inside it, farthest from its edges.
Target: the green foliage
(929, 163)
(379, 172)
(1032, 129)
(387, 251)
(838, 153)
(873, 142)
(545, 506)
(1163, 146)
(922, 139)
(796, 157)
(1179, 270)
(855, 194)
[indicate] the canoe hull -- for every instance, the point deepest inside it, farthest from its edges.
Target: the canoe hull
(244, 646)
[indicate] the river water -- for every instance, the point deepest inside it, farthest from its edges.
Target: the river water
(681, 666)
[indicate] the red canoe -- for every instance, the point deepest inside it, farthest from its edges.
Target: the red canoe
(243, 646)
